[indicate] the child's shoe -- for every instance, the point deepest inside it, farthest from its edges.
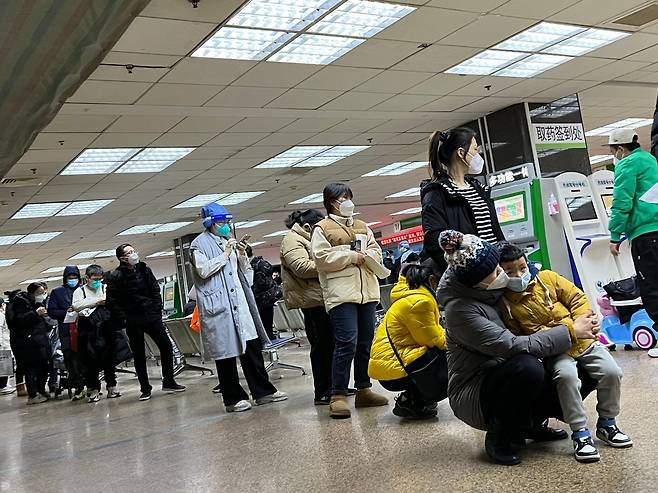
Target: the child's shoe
(583, 446)
(607, 431)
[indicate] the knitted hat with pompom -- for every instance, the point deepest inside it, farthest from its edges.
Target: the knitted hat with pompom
(471, 258)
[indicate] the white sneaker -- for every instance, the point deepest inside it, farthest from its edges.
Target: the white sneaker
(239, 407)
(277, 396)
(7, 390)
(39, 399)
(653, 353)
(94, 396)
(113, 393)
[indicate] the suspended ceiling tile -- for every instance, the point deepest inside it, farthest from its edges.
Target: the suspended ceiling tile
(233, 140)
(309, 99)
(479, 6)
(398, 125)
(612, 70)
(206, 124)
(394, 81)
(149, 59)
(357, 125)
(212, 11)
(285, 139)
(207, 71)
(448, 103)
(131, 139)
(338, 78)
(163, 36)
(443, 84)
(179, 94)
(403, 102)
(533, 10)
(101, 91)
(311, 125)
(486, 86)
(191, 139)
(80, 123)
(426, 25)
(48, 156)
(640, 76)
(270, 74)
(630, 45)
(195, 164)
(439, 57)
(328, 139)
(527, 88)
(593, 12)
(143, 123)
(378, 53)
(137, 74)
(354, 100)
(649, 55)
(562, 90)
(245, 97)
(63, 140)
(252, 125)
(490, 104)
(574, 68)
(487, 31)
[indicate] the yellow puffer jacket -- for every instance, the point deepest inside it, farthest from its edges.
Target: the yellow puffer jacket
(550, 300)
(413, 323)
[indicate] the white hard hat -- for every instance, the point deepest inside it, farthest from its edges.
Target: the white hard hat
(622, 136)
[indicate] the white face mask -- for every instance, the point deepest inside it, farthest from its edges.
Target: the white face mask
(476, 165)
(346, 208)
(133, 258)
(500, 282)
(40, 298)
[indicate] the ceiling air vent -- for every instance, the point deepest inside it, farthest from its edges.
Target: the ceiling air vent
(30, 181)
(640, 17)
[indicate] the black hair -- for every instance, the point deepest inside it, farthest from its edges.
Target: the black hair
(310, 216)
(631, 146)
(509, 252)
(121, 248)
(34, 287)
(417, 275)
(94, 270)
(333, 192)
(249, 251)
(443, 146)
(44, 285)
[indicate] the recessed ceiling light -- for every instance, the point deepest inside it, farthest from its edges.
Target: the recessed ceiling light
(314, 198)
(99, 161)
(250, 224)
(375, 223)
(164, 253)
(283, 15)
(10, 240)
(533, 65)
(585, 42)
(49, 209)
(154, 159)
(85, 255)
(39, 237)
(315, 49)
(310, 156)
(399, 168)
(256, 243)
(600, 158)
(168, 227)
(61, 269)
(154, 228)
(242, 44)
(7, 262)
(138, 230)
(487, 62)
(410, 192)
(84, 207)
(47, 279)
(539, 37)
(222, 198)
(283, 232)
(625, 123)
(106, 253)
(361, 18)
(413, 210)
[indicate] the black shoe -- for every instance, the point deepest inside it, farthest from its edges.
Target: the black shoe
(628, 347)
(216, 389)
(322, 400)
(145, 396)
(500, 450)
(544, 433)
(405, 409)
(173, 387)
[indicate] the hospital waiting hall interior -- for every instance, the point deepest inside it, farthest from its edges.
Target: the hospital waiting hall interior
(328, 246)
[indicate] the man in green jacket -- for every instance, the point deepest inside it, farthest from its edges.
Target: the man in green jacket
(636, 171)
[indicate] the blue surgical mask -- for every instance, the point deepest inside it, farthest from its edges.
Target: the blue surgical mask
(95, 284)
(224, 231)
(72, 283)
(519, 284)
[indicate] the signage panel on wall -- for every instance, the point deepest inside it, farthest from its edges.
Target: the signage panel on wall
(558, 136)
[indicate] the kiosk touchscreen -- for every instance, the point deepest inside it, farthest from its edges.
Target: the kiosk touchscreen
(168, 297)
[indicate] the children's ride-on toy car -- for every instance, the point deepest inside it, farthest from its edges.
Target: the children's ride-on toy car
(639, 329)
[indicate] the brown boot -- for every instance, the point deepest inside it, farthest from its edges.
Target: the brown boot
(338, 408)
(21, 390)
(367, 398)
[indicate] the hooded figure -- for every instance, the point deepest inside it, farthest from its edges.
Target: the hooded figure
(228, 314)
(60, 301)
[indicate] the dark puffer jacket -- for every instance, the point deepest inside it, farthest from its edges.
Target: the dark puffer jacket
(58, 304)
(28, 331)
(266, 290)
(133, 296)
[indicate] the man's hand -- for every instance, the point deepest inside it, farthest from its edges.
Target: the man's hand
(42, 311)
(614, 248)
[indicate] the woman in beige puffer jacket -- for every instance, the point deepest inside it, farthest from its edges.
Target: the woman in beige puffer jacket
(301, 289)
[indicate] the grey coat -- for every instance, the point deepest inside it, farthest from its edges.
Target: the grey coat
(218, 299)
(478, 341)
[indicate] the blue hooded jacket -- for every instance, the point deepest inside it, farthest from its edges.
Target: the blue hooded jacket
(59, 302)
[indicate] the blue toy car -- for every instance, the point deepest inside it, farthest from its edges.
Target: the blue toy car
(639, 330)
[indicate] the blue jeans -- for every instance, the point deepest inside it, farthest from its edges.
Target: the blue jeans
(354, 329)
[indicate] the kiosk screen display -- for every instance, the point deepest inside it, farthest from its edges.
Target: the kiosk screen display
(607, 202)
(511, 209)
(168, 294)
(581, 209)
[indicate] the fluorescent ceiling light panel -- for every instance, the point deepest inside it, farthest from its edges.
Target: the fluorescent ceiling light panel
(486, 62)
(410, 192)
(99, 161)
(283, 232)
(250, 224)
(242, 44)
(47, 209)
(314, 198)
(39, 237)
(154, 159)
(533, 65)
(375, 223)
(600, 158)
(10, 240)
(256, 243)
(413, 210)
(84, 207)
(310, 156)
(164, 253)
(315, 49)
(625, 123)
(85, 255)
(585, 42)
(106, 253)
(399, 168)
(222, 198)
(359, 18)
(7, 262)
(155, 228)
(168, 227)
(47, 279)
(284, 15)
(539, 37)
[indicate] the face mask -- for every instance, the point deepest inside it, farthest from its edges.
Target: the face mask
(72, 283)
(346, 208)
(95, 284)
(133, 258)
(519, 284)
(500, 282)
(224, 231)
(40, 298)
(476, 165)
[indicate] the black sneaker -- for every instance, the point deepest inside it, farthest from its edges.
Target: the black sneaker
(216, 389)
(544, 433)
(406, 410)
(584, 449)
(322, 400)
(173, 387)
(613, 436)
(500, 450)
(145, 396)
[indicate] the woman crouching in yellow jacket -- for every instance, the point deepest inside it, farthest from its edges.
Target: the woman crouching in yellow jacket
(408, 352)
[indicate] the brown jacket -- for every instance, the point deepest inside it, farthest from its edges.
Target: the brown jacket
(301, 287)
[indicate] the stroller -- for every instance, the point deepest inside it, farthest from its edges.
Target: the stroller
(624, 319)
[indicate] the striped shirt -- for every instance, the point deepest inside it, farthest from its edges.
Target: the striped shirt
(480, 210)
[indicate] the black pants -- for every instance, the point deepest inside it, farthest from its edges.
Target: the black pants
(320, 334)
(157, 332)
(437, 366)
(53, 376)
(93, 364)
(645, 257)
(267, 317)
(36, 374)
(3, 382)
(254, 372)
(74, 368)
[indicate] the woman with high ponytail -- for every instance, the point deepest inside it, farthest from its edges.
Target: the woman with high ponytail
(453, 198)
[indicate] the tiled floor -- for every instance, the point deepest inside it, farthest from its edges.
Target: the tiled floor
(187, 443)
